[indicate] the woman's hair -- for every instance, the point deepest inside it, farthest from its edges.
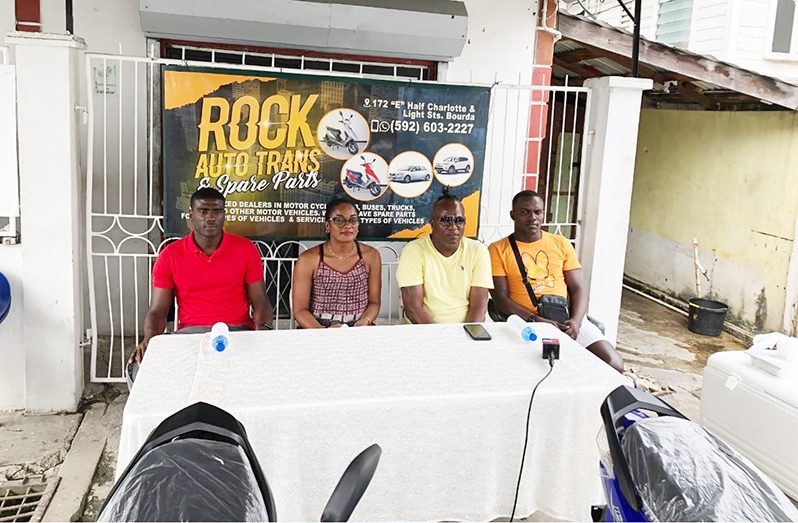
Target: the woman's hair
(331, 206)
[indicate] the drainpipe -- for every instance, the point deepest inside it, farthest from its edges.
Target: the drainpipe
(699, 269)
(545, 28)
(790, 319)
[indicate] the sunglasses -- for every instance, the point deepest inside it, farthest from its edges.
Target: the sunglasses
(446, 220)
(341, 222)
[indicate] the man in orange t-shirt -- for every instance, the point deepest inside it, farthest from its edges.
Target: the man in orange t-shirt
(552, 268)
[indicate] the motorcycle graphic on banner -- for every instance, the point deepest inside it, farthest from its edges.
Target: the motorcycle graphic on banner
(280, 146)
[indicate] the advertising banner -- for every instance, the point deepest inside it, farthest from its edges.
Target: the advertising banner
(280, 146)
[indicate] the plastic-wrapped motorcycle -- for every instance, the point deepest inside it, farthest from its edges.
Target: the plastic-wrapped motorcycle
(198, 465)
(656, 465)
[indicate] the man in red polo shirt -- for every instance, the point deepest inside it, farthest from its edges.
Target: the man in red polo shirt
(216, 276)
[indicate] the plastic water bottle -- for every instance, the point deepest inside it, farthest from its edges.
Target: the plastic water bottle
(220, 336)
(522, 328)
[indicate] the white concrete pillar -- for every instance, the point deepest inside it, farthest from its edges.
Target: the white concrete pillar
(47, 92)
(614, 119)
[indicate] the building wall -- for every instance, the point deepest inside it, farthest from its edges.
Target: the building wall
(495, 50)
(734, 31)
(709, 28)
(107, 27)
(612, 13)
(7, 16)
(751, 41)
(498, 51)
(725, 179)
(740, 32)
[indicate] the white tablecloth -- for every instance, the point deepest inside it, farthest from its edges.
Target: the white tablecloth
(448, 412)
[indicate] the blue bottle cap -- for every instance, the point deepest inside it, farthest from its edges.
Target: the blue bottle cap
(529, 334)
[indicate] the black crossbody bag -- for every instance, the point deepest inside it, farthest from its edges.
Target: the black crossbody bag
(549, 306)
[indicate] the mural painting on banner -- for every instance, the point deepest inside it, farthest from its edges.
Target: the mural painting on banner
(410, 174)
(280, 146)
(365, 177)
(343, 131)
(454, 164)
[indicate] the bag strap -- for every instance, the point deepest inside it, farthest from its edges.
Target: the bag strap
(522, 269)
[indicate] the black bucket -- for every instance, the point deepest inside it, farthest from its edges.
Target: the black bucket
(706, 316)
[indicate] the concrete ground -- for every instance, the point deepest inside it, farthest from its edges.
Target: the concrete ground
(661, 355)
(34, 445)
(69, 446)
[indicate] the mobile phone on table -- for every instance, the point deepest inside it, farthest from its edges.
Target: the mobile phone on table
(476, 331)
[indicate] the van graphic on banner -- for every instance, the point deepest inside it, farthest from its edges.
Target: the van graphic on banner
(280, 146)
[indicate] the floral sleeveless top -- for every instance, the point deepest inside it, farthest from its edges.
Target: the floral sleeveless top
(339, 297)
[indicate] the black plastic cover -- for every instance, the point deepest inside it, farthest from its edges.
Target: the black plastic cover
(684, 473)
(188, 480)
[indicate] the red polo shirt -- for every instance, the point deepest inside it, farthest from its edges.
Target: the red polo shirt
(209, 288)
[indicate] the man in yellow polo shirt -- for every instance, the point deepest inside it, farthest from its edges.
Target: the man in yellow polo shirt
(443, 277)
(551, 267)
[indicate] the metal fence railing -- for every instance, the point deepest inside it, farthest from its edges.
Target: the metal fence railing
(124, 216)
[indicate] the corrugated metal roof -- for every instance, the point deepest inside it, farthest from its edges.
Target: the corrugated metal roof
(608, 67)
(566, 45)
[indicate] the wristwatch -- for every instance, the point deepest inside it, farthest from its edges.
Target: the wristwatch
(265, 326)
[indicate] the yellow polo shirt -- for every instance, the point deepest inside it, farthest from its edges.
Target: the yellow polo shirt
(447, 281)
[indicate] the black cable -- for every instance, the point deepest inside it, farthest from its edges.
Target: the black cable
(526, 434)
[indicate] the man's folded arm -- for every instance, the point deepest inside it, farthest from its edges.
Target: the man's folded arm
(578, 301)
(501, 297)
(477, 305)
(413, 302)
(261, 308)
(155, 320)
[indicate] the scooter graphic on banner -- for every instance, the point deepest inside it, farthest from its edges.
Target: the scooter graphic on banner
(355, 179)
(347, 138)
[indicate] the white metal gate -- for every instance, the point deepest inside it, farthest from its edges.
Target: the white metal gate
(124, 217)
(554, 118)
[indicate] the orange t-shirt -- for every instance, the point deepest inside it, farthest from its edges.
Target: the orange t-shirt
(545, 261)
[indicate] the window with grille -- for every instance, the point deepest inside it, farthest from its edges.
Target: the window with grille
(287, 59)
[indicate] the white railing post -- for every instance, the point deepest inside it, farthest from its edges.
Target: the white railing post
(615, 116)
